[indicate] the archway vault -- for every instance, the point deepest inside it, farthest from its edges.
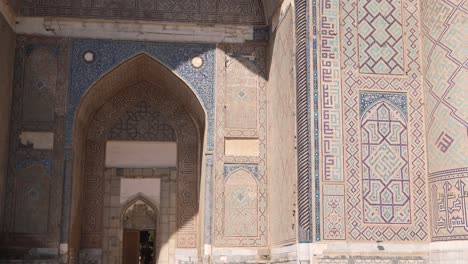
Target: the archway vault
(139, 79)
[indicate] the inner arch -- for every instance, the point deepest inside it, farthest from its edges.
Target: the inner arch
(140, 79)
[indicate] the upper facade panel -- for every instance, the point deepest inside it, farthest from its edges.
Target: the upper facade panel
(240, 12)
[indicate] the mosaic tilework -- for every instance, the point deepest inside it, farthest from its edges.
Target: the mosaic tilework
(253, 177)
(449, 198)
(304, 181)
(445, 68)
(40, 85)
(142, 123)
(241, 205)
(399, 100)
(248, 12)
(33, 197)
(242, 96)
(353, 82)
(331, 136)
(330, 92)
(385, 174)
(314, 63)
(334, 212)
(445, 61)
(111, 53)
(188, 149)
(380, 36)
(230, 168)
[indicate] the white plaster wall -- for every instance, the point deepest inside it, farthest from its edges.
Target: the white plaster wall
(139, 154)
(151, 188)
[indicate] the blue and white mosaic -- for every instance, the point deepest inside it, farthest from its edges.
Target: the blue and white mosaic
(368, 99)
(230, 168)
(108, 54)
(22, 163)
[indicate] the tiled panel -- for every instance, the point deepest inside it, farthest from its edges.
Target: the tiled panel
(304, 181)
(380, 36)
(449, 199)
(109, 54)
(33, 197)
(385, 169)
(334, 227)
(243, 196)
(445, 58)
(189, 11)
(242, 95)
(241, 205)
(409, 220)
(331, 92)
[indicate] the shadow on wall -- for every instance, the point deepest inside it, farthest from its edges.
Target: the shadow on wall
(84, 132)
(140, 80)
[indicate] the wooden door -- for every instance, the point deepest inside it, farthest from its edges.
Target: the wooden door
(131, 246)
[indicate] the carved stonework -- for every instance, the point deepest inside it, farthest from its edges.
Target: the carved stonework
(140, 216)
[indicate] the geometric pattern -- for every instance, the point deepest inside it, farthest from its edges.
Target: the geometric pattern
(242, 95)
(368, 99)
(330, 83)
(384, 150)
(230, 168)
(109, 54)
(243, 197)
(40, 84)
(331, 132)
(97, 135)
(334, 212)
(248, 12)
(33, 194)
(449, 199)
(445, 78)
(445, 60)
(241, 205)
(414, 226)
(380, 27)
(142, 123)
(304, 182)
(34, 181)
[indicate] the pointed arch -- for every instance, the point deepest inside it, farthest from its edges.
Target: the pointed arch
(149, 213)
(134, 199)
(140, 78)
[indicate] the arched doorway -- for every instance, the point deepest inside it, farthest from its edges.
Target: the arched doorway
(140, 224)
(139, 81)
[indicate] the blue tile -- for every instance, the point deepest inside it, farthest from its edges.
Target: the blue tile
(109, 54)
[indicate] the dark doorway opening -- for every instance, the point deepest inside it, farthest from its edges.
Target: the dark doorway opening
(139, 246)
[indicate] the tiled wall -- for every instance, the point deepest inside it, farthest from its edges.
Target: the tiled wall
(241, 114)
(33, 200)
(7, 47)
(445, 61)
(191, 11)
(367, 122)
